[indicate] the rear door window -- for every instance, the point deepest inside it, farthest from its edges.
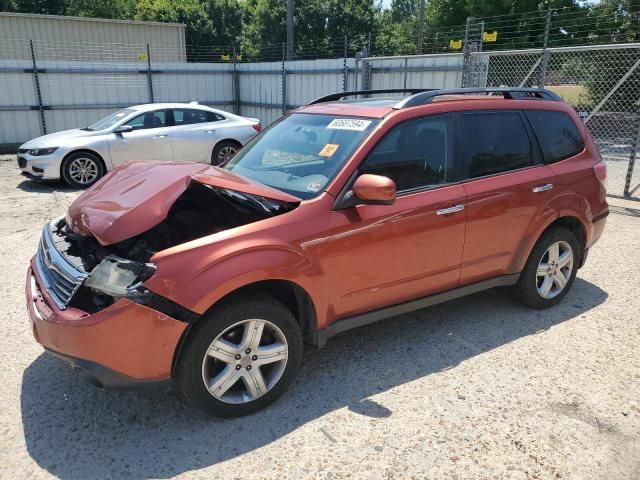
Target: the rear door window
(189, 116)
(557, 134)
(495, 142)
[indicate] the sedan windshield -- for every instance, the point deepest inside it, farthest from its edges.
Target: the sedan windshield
(301, 153)
(110, 120)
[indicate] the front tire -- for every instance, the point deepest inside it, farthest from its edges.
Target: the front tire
(550, 270)
(82, 169)
(240, 357)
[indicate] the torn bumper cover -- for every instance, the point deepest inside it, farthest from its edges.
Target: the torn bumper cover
(122, 346)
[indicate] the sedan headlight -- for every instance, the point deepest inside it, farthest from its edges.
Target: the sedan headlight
(36, 152)
(119, 277)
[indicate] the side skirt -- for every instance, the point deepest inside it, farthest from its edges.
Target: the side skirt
(348, 323)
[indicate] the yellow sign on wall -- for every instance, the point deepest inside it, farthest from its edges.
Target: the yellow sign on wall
(455, 44)
(225, 57)
(490, 37)
(142, 56)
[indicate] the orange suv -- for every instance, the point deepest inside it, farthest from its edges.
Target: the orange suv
(342, 213)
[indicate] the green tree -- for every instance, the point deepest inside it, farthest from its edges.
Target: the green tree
(49, 7)
(199, 28)
(119, 9)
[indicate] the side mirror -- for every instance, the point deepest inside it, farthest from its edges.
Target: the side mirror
(374, 189)
(123, 129)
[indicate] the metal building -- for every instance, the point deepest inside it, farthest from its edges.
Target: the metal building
(74, 36)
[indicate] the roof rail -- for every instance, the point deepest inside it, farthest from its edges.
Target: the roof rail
(426, 97)
(340, 95)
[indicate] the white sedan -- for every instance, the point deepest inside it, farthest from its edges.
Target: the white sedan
(180, 132)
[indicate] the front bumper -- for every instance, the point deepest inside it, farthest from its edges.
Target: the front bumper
(125, 345)
(43, 167)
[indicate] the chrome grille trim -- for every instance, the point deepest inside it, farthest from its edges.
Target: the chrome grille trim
(60, 277)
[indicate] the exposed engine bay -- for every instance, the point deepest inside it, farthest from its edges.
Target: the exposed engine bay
(119, 270)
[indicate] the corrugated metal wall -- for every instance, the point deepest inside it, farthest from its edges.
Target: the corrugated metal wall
(75, 93)
(79, 38)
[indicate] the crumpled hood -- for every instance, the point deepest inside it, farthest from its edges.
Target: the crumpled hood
(52, 139)
(137, 196)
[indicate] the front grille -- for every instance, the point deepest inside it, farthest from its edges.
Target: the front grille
(60, 277)
(22, 162)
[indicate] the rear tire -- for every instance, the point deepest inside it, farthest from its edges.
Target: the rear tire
(82, 169)
(240, 357)
(223, 152)
(550, 270)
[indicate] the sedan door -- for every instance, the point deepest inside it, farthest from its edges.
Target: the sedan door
(149, 140)
(194, 134)
(382, 255)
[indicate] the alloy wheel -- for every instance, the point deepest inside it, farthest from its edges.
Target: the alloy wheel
(554, 269)
(83, 170)
(225, 154)
(245, 361)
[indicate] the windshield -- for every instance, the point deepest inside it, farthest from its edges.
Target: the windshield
(301, 153)
(110, 120)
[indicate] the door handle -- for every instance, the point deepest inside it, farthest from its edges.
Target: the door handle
(543, 188)
(447, 211)
(210, 131)
(162, 135)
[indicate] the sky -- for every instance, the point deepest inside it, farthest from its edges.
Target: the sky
(387, 3)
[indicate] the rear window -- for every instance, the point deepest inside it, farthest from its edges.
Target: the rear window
(558, 135)
(495, 142)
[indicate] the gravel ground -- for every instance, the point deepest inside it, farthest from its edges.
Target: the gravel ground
(475, 388)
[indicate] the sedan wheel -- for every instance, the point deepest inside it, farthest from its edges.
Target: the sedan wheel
(83, 171)
(245, 361)
(223, 152)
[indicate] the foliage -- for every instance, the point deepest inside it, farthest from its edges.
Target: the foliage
(119, 9)
(199, 31)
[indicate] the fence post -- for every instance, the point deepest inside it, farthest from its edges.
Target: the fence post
(345, 71)
(36, 81)
(149, 78)
(406, 71)
(545, 51)
(236, 83)
(632, 160)
(420, 28)
(284, 81)
(466, 59)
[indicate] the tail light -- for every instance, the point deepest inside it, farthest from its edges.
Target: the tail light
(257, 127)
(601, 171)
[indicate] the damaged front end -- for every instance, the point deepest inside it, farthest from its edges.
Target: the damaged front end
(81, 272)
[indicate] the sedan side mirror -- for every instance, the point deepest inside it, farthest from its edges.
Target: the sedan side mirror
(374, 189)
(123, 129)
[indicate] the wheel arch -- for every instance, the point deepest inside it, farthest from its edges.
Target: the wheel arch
(289, 293)
(571, 222)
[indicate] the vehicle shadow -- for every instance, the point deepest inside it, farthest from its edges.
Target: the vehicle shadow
(35, 186)
(77, 432)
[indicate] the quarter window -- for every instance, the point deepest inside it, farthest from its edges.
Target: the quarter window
(495, 142)
(558, 135)
(414, 154)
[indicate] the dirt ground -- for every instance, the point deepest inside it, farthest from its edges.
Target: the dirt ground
(475, 388)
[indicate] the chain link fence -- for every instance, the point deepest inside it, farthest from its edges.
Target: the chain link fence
(601, 82)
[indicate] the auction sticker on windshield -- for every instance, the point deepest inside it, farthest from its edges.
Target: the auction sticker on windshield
(356, 124)
(328, 150)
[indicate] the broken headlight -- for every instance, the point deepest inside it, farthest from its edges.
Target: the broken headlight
(118, 277)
